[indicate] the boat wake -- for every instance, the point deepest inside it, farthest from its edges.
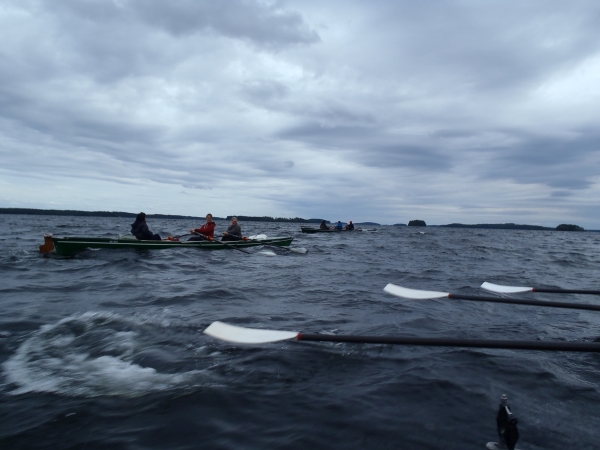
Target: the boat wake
(91, 355)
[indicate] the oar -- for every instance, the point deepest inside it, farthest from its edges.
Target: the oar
(514, 289)
(226, 244)
(170, 238)
(415, 294)
(241, 335)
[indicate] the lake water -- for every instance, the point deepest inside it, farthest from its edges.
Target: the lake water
(106, 350)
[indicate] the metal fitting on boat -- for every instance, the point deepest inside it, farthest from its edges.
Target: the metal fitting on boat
(507, 428)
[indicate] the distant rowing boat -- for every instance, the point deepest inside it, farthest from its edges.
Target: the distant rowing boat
(73, 244)
(318, 230)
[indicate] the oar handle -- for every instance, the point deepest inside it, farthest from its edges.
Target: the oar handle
(452, 342)
(523, 301)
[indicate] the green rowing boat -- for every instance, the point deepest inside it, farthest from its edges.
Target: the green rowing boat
(73, 244)
(318, 230)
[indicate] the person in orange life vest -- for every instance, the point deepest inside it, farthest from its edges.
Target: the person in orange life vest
(206, 232)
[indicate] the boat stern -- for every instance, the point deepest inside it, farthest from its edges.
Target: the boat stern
(48, 245)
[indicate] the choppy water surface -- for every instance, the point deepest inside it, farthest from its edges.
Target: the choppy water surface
(106, 350)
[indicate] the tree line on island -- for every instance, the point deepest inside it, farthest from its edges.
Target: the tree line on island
(72, 212)
(412, 223)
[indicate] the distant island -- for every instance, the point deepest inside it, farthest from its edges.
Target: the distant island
(417, 223)
(565, 227)
(274, 219)
(514, 226)
(498, 226)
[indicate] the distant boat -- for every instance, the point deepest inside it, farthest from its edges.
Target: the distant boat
(310, 230)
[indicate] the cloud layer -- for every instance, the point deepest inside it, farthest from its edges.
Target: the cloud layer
(454, 111)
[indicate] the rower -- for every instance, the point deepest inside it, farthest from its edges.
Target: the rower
(349, 227)
(339, 226)
(323, 226)
(206, 232)
(234, 231)
(140, 229)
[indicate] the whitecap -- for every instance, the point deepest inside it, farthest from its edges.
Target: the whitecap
(89, 355)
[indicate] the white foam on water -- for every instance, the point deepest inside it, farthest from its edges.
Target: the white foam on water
(267, 253)
(88, 355)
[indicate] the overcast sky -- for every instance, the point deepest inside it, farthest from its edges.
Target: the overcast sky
(386, 111)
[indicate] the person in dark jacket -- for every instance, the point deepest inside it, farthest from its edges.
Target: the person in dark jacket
(323, 226)
(234, 231)
(140, 229)
(349, 227)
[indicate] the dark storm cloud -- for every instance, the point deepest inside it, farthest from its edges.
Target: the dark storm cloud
(369, 146)
(52, 86)
(561, 163)
(261, 23)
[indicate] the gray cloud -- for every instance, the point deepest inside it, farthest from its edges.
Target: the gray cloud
(369, 146)
(261, 23)
(275, 105)
(561, 163)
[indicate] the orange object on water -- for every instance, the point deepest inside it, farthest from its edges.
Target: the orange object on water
(48, 244)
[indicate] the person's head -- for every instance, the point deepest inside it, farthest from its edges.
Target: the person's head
(234, 221)
(339, 221)
(140, 217)
(350, 221)
(209, 217)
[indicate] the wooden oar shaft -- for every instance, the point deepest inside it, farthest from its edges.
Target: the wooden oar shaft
(452, 342)
(234, 247)
(523, 301)
(225, 244)
(566, 291)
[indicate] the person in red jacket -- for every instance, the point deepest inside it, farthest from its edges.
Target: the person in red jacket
(205, 232)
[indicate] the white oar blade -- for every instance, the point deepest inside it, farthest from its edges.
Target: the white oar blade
(414, 294)
(258, 237)
(505, 289)
(241, 335)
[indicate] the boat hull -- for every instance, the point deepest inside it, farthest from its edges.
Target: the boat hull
(71, 245)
